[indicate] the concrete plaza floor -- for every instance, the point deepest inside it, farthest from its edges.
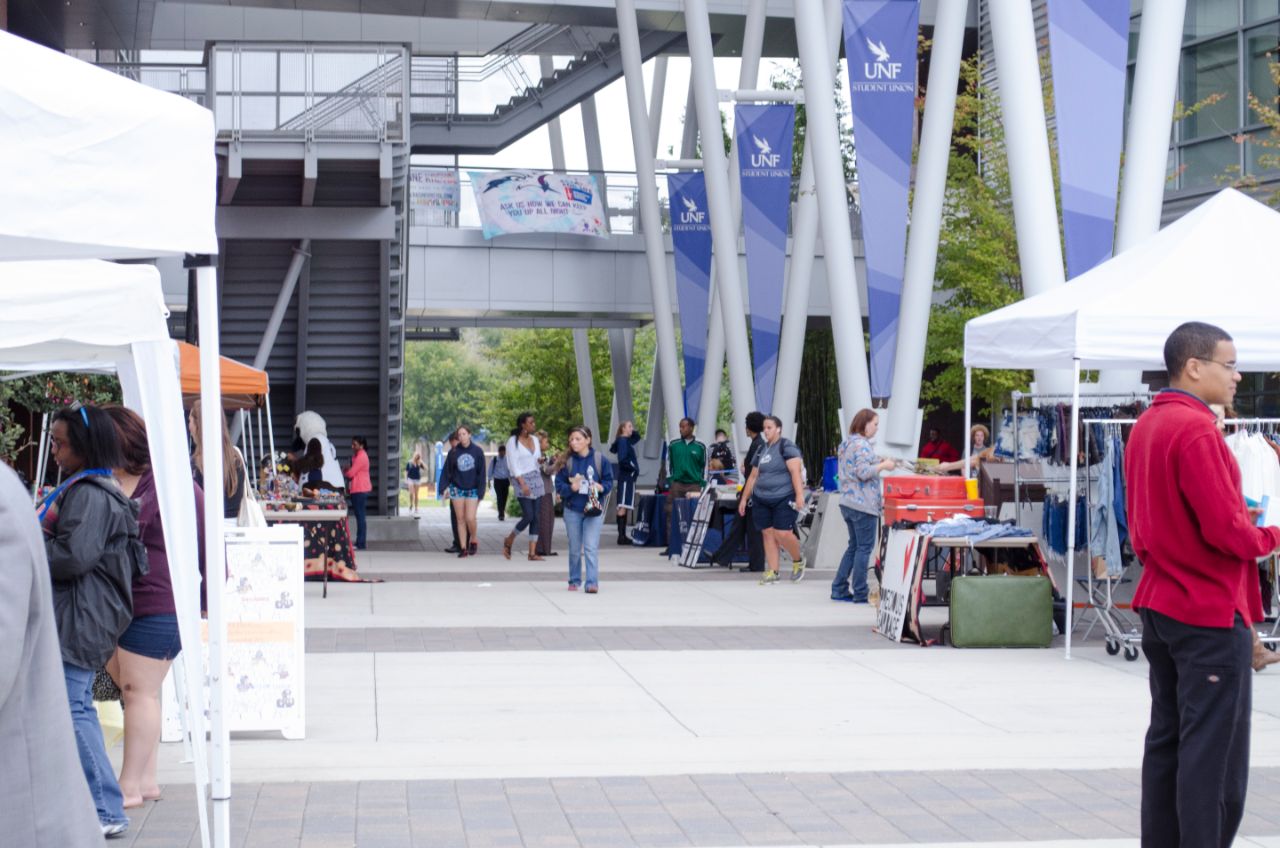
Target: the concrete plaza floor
(476, 702)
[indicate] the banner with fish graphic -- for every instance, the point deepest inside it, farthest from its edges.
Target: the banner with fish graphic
(538, 202)
(764, 135)
(691, 244)
(880, 46)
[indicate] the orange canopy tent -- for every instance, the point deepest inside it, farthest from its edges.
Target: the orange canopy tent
(243, 387)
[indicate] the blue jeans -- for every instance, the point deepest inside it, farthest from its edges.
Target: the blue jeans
(103, 787)
(584, 544)
(862, 535)
(358, 504)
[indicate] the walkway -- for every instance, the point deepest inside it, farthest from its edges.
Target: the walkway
(475, 702)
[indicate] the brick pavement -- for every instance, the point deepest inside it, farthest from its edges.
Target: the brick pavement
(685, 810)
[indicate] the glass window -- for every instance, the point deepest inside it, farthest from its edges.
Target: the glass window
(1262, 45)
(1209, 71)
(1208, 163)
(1206, 17)
(1262, 153)
(1260, 10)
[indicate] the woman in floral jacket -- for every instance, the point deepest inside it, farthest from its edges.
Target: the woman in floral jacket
(861, 503)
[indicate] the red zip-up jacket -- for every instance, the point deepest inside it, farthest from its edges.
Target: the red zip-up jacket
(1187, 518)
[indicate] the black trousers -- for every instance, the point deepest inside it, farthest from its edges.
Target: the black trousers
(502, 488)
(742, 526)
(1195, 766)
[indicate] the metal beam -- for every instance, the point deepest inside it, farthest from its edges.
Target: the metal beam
(554, 133)
(354, 223)
(621, 345)
(310, 173)
(587, 385)
(386, 174)
(232, 175)
(302, 331)
(657, 93)
(301, 254)
(379, 469)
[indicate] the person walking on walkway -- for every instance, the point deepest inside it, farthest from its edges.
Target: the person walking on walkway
(745, 527)
(359, 486)
(464, 476)
(624, 447)
(861, 504)
(548, 465)
(776, 492)
(148, 647)
(413, 476)
(1198, 597)
(500, 474)
(91, 540)
(442, 492)
(583, 482)
(524, 453)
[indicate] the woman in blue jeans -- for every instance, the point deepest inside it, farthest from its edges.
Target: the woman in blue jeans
(583, 482)
(861, 503)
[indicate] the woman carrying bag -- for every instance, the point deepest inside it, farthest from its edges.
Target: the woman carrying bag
(583, 482)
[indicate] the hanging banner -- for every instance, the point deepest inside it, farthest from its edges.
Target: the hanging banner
(433, 189)
(691, 244)
(538, 202)
(880, 45)
(1088, 50)
(764, 135)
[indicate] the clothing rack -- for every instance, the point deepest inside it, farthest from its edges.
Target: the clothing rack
(1123, 632)
(1018, 396)
(1272, 638)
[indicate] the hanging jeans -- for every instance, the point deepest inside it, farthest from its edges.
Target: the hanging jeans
(862, 527)
(1104, 534)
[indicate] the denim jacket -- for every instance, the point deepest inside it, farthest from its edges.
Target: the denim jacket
(859, 479)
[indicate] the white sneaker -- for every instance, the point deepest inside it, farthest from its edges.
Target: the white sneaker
(115, 830)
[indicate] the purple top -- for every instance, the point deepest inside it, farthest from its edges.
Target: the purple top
(153, 592)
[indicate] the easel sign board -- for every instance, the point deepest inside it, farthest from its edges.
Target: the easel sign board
(904, 553)
(265, 647)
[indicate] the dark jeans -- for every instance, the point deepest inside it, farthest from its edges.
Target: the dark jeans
(1195, 766)
(358, 505)
(501, 489)
(528, 517)
(862, 528)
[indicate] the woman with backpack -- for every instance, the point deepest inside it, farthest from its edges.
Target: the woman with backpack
(776, 493)
(95, 554)
(583, 482)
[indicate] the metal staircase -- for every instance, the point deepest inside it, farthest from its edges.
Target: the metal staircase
(392, 388)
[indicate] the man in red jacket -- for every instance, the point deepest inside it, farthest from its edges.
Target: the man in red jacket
(1198, 596)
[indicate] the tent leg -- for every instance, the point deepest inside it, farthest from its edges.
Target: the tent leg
(42, 461)
(1073, 484)
(968, 419)
(271, 435)
(262, 444)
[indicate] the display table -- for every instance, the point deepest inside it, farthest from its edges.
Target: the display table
(650, 512)
(329, 553)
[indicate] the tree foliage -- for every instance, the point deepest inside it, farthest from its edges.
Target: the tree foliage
(43, 393)
(446, 384)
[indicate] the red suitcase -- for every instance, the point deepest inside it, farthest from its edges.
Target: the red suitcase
(920, 510)
(930, 487)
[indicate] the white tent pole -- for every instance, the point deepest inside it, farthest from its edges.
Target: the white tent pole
(42, 461)
(271, 435)
(262, 444)
(215, 566)
(968, 419)
(251, 455)
(1071, 504)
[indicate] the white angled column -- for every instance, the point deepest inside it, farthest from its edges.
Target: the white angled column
(926, 222)
(1035, 208)
(724, 225)
(833, 205)
(586, 383)
(804, 242)
(650, 214)
(748, 75)
(1146, 148)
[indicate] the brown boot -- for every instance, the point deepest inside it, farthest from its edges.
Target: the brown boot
(533, 552)
(1262, 655)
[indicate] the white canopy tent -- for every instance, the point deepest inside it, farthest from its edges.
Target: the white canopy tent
(102, 167)
(1215, 264)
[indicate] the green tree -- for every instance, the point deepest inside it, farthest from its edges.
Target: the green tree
(446, 384)
(43, 393)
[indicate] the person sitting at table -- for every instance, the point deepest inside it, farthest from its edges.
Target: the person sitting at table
(979, 452)
(938, 448)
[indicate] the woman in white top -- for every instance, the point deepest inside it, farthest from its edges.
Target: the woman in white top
(523, 453)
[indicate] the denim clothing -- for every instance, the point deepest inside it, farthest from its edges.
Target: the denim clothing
(973, 529)
(773, 515)
(528, 515)
(359, 502)
(860, 487)
(584, 544)
(101, 778)
(862, 527)
(1104, 529)
(154, 636)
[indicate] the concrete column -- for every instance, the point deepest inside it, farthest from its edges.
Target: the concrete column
(1035, 209)
(621, 344)
(657, 92)
(926, 222)
(586, 382)
(655, 433)
(713, 369)
(833, 205)
(804, 240)
(1146, 149)
(724, 225)
(650, 215)
(554, 133)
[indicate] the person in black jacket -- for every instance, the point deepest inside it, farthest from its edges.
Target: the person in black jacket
(745, 527)
(91, 539)
(624, 445)
(464, 476)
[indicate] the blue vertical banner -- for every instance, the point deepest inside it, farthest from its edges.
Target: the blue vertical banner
(1088, 50)
(880, 46)
(691, 243)
(764, 136)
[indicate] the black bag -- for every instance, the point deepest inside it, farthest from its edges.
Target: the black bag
(104, 687)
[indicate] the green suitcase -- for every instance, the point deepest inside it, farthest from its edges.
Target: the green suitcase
(1001, 611)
